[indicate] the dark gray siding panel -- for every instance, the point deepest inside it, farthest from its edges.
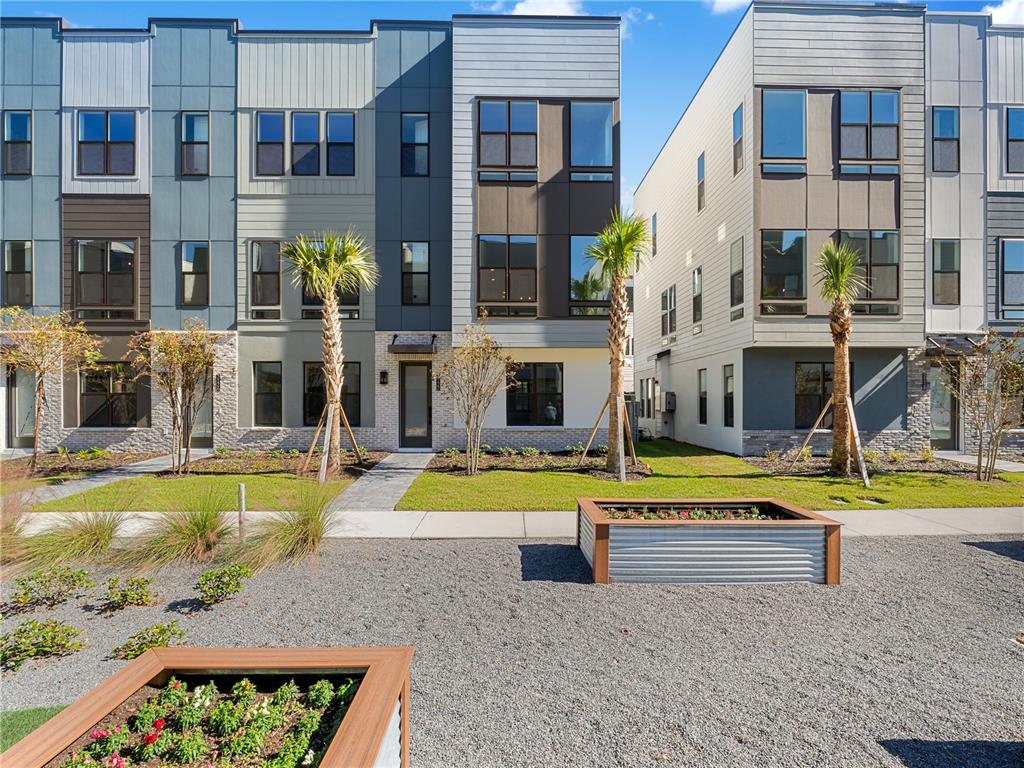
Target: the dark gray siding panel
(1005, 215)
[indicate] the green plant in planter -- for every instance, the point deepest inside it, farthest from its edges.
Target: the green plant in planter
(50, 586)
(450, 453)
(105, 742)
(226, 717)
(146, 715)
(36, 639)
(190, 747)
(244, 692)
(320, 694)
(174, 694)
(219, 584)
(156, 636)
(287, 692)
(134, 591)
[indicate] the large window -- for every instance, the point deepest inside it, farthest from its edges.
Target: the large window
(880, 269)
(591, 134)
(698, 295)
(18, 143)
(668, 311)
(507, 134)
(946, 272)
(270, 143)
(536, 398)
(195, 144)
(588, 290)
(266, 279)
(869, 127)
(195, 274)
(507, 274)
(415, 144)
(783, 124)
(700, 182)
(728, 386)
(314, 393)
(736, 280)
(266, 394)
(737, 140)
(1015, 139)
(305, 143)
(813, 386)
(105, 279)
(107, 396)
(17, 273)
(1013, 279)
(702, 396)
(945, 139)
(415, 273)
(106, 143)
(783, 265)
(341, 144)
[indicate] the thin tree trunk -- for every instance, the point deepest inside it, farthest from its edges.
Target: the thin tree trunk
(841, 324)
(617, 320)
(39, 422)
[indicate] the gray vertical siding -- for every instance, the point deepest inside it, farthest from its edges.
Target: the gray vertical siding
(1005, 220)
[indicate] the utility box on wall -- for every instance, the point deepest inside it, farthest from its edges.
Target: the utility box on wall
(668, 401)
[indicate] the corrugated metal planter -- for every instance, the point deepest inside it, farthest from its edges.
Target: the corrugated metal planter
(797, 546)
(374, 732)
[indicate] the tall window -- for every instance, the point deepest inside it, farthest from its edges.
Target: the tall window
(105, 279)
(1015, 139)
(107, 396)
(737, 140)
(314, 393)
(736, 280)
(270, 143)
(654, 234)
(700, 182)
(588, 290)
(415, 273)
(341, 144)
(813, 389)
(783, 265)
(591, 134)
(508, 273)
(195, 144)
(17, 273)
(507, 133)
(106, 143)
(18, 143)
(305, 143)
(266, 389)
(869, 125)
(783, 124)
(668, 311)
(415, 144)
(702, 396)
(728, 383)
(880, 269)
(945, 272)
(266, 279)
(1013, 280)
(195, 274)
(698, 295)
(536, 398)
(945, 139)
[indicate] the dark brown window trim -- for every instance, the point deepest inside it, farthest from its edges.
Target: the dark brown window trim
(109, 311)
(107, 144)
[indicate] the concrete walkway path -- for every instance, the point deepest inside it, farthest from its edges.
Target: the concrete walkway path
(966, 458)
(929, 522)
(384, 484)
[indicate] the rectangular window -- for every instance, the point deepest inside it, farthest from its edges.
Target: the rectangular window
(17, 273)
(305, 143)
(736, 279)
(945, 272)
(507, 134)
(314, 393)
(266, 279)
(668, 311)
(728, 382)
(106, 143)
(783, 267)
(702, 396)
(266, 394)
(415, 144)
(1015, 139)
(107, 396)
(270, 143)
(945, 139)
(1013, 280)
(195, 144)
(700, 182)
(654, 234)
(536, 398)
(879, 267)
(195, 274)
(869, 125)
(507, 270)
(341, 144)
(415, 273)
(813, 386)
(105, 279)
(590, 134)
(698, 296)
(737, 140)
(586, 282)
(783, 124)
(18, 143)
(348, 305)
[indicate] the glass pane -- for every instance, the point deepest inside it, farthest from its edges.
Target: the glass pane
(341, 159)
(782, 264)
(522, 251)
(92, 126)
(493, 117)
(305, 159)
(1013, 255)
(697, 282)
(414, 160)
(416, 400)
(858, 241)
(90, 289)
(195, 126)
(1015, 157)
(17, 158)
(1013, 288)
(94, 410)
(941, 404)
(944, 156)
(195, 257)
(415, 257)
(120, 290)
(946, 123)
(591, 132)
(18, 126)
(122, 256)
(586, 281)
(305, 127)
(341, 127)
(266, 257)
(492, 251)
(195, 159)
(885, 282)
(885, 248)
(1015, 123)
(270, 126)
(853, 107)
(17, 289)
(195, 289)
(884, 143)
(121, 159)
(523, 150)
(91, 255)
(946, 255)
(853, 142)
(267, 377)
(522, 285)
(783, 123)
(492, 285)
(736, 257)
(547, 378)
(122, 126)
(737, 124)
(350, 378)
(523, 117)
(18, 256)
(349, 298)
(415, 129)
(809, 379)
(885, 108)
(492, 149)
(24, 404)
(91, 158)
(266, 289)
(700, 167)
(946, 287)
(313, 377)
(415, 288)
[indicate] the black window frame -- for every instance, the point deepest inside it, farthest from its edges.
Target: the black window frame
(507, 303)
(342, 144)
(257, 393)
(728, 395)
(787, 305)
(870, 126)
(1009, 311)
(939, 269)
(9, 143)
(409, 275)
(264, 311)
(508, 133)
(186, 145)
(736, 277)
(304, 146)
(597, 169)
(413, 145)
(737, 140)
(104, 310)
(868, 302)
(938, 141)
(314, 399)
(701, 188)
(536, 399)
(25, 275)
(113, 402)
(765, 125)
(668, 311)
(822, 396)
(107, 143)
(260, 143)
(702, 396)
(1012, 141)
(196, 275)
(697, 279)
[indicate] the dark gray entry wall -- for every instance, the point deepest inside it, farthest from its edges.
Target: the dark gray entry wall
(414, 75)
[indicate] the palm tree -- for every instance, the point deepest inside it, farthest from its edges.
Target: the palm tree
(618, 250)
(841, 284)
(327, 267)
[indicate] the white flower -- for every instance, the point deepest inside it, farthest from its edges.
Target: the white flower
(308, 759)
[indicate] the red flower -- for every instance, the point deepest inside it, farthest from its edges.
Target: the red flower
(97, 734)
(159, 723)
(150, 738)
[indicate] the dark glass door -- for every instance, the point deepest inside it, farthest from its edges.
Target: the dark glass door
(943, 410)
(415, 405)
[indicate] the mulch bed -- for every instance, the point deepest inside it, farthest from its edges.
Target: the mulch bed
(593, 465)
(274, 462)
(817, 466)
(80, 462)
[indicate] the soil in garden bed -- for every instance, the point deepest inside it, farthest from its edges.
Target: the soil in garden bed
(245, 462)
(670, 512)
(817, 466)
(154, 714)
(593, 465)
(55, 465)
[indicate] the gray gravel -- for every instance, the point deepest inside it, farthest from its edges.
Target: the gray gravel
(519, 663)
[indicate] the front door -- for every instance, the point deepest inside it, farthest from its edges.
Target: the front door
(943, 411)
(414, 405)
(21, 408)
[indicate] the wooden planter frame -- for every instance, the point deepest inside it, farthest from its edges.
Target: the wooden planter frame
(355, 745)
(591, 508)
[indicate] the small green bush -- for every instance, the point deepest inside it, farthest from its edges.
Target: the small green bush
(244, 692)
(156, 636)
(871, 456)
(287, 692)
(804, 454)
(450, 453)
(574, 448)
(219, 584)
(896, 457)
(320, 694)
(50, 586)
(92, 453)
(485, 448)
(506, 452)
(173, 694)
(601, 449)
(225, 717)
(529, 451)
(134, 591)
(190, 747)
(106, 742)
(927, 455)
(770, 454)
(37, 639)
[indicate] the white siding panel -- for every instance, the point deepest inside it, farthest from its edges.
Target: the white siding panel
(106, 70)
(1006, 65)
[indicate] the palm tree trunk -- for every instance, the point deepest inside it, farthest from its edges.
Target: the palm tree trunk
(334, 357)
(617, 319)
(841, 324)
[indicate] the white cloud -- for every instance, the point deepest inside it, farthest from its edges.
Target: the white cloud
(495, 7)
(631, 17)
(548, 8)
(728, 6)
(1007, 12)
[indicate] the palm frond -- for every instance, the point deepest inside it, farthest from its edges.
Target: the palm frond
(332, 263)
(620, 247)
(838, 273)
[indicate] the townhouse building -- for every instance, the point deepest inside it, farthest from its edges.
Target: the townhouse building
(151, 178)
(824, 121)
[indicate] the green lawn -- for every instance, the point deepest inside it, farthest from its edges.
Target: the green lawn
(277, 491)
(690, 472)
(19, 723)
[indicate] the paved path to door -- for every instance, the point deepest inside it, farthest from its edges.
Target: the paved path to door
(383, 485)
(966, 458)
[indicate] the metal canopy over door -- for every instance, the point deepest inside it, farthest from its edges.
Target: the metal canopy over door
(943, 410)
(415, 405)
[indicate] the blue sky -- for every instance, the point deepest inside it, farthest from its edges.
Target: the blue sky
(667, 47)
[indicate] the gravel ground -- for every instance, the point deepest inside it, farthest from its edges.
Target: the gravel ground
(911, 662)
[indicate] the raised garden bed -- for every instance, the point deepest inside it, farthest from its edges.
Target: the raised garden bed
(706, 541)
(322, 727)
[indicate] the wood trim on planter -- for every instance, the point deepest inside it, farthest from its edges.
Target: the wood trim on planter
(355, 745)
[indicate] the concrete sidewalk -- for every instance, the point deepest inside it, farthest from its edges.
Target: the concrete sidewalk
(929, 522)
(966, 458)
(384, 484)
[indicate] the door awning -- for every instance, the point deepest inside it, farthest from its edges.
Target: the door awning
(412, 345)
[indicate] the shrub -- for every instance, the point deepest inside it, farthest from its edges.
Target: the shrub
(192, 534)
(287, 692)
(804, 454)
(156, 636)
(770, 454)
(134, 591)
(450, 453)
(225, 717)
(50, 586)
(506, 452)
(219, 584)
(871, 456)
(92, 452)
(574, 448)
(485, 448)
(106, 742)
(244, 692)
(896, 457)
(601, 449)
(320, 694)
(221, 453)
(529, 451)
(190, 747)
(81, 538)
(146, 715)
(290, 535)
(36, 639)
(277, 453)
(927, 454)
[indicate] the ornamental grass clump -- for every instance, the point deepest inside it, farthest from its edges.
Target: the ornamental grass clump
(50, 586)
(77, 538)
(37, 639)
(289, 536)
(156, 636)
(192, 534)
